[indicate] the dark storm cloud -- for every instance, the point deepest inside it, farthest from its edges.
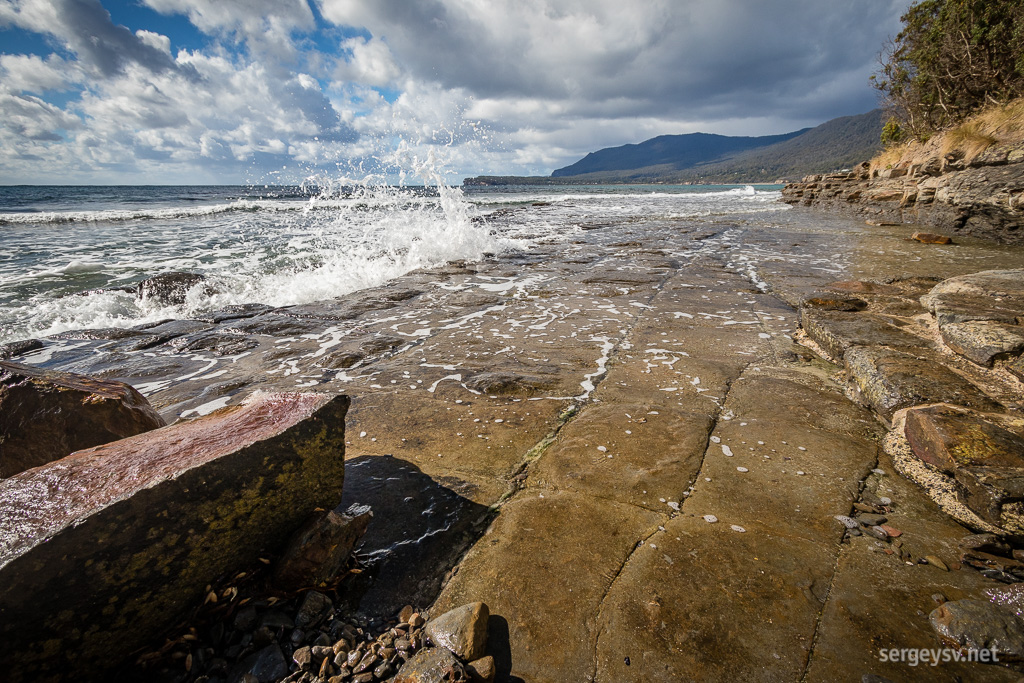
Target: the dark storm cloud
(631, 59)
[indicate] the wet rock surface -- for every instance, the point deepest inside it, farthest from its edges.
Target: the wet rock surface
(45, 415)
(635, 458)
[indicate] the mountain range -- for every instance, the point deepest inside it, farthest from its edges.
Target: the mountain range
(708, 158)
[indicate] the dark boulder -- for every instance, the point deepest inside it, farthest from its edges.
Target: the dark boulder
(45, 415)
(168, 289)
(103, 550)
(318, 551)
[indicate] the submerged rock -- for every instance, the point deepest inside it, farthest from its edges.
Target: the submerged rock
(168, 289)
(978, 625)
(45, 415)
(105, 548)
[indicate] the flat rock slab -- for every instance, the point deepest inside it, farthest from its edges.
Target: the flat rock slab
(890, 380)
(101, 550)
(837, 331)
(45, 415)
(877, 601)
(983, 342)
(949, 438)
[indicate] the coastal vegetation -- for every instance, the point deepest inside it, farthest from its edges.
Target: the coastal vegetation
(952, 59)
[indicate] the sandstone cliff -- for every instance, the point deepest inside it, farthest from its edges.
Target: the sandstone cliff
(967, 182)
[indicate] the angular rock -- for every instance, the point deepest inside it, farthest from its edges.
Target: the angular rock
(837, 331)
(462, 630)
(931, 238)
(948, 438)
(45, 415)
(314, 609)
(833, 302)
(432, 665)
(101, 550)
(983, 342)
(996, 494)
(978, 625)
(891, 380)
(168, 289)
(482, 670)
(317, 552)
(12, 349)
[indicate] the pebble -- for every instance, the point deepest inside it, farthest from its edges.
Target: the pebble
(872, 519)
(878, 532)
(801, 473)
(936, 562)
(603, 449)
(848, 522)
(716, 439)
(727, 450)
(737, 527)
(673, 505)
(710, 519)
(742, 469)
(885, 501)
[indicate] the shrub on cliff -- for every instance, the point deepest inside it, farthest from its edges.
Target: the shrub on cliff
(952, 58)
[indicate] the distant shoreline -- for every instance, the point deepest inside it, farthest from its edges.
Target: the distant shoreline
(505, 181)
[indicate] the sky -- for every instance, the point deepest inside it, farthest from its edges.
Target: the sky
(281, 91)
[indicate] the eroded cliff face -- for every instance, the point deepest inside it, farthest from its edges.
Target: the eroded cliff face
(979, 197)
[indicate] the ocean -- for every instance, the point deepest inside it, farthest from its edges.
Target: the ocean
(72, 256)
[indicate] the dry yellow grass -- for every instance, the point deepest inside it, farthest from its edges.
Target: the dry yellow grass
(997, 125)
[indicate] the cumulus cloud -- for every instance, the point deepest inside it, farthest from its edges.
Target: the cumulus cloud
(266, 26)
(84, 26)
(496, 87)
(606, 58)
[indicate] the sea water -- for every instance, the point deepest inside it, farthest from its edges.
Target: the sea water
(71, 257)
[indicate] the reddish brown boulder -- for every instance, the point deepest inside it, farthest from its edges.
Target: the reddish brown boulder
(104, 549)
(931, 238)
(948, 438)
(44, 415)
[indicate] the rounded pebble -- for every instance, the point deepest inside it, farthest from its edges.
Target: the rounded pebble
(710, 519)
(603, 449)
(737, 527)
(742, 469)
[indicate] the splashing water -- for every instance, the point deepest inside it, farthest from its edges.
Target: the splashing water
(72, 264)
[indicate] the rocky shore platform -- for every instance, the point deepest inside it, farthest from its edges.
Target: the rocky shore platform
(665, 451)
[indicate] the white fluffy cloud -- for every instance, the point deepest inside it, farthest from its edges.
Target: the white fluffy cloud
(289, 87)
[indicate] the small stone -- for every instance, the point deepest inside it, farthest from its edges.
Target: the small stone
(710, 519)
(936, 562)
(406, 614)
(742, 469)
(482, 670)
(878, 532)
(303, 657)
(738, 528)
(462, 630)
(872, 519)
(892, 532)
(433, 665)
(931, 238)
(368, 661)
(416, 620)
(848, 522)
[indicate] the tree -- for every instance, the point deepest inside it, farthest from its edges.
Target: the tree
(952, 58)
